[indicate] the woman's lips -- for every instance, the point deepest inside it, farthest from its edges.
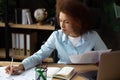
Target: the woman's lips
(63, 30)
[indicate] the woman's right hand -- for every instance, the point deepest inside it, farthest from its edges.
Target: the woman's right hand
(14, 70)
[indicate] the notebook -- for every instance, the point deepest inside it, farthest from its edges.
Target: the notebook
(109, 68)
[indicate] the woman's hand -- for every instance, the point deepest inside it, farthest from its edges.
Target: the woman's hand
(14, 70)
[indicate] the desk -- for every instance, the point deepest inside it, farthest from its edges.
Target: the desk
(78, 68)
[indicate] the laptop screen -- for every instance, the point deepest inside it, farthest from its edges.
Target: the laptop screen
(109, 66)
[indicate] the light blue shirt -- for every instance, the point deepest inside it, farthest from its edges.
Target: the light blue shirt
(58, 40)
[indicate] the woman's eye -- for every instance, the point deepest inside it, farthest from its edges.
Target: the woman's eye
(66, 22)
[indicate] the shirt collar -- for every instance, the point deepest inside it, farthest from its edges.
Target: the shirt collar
(82, 39)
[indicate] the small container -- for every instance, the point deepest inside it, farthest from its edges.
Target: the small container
(41, 73)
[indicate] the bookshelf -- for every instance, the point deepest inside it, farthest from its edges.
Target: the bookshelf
(22, 26)
(5, 50)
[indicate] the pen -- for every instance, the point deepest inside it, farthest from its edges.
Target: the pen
(11, 63)
(41, 73)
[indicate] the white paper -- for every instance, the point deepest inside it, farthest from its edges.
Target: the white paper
(87, 57)
(26, 75)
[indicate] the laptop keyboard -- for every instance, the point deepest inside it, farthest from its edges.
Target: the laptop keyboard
(91, 75)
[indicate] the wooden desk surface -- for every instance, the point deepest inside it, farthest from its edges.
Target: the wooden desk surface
(78, 68)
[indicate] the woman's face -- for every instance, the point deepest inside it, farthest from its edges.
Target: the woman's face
(66, 25)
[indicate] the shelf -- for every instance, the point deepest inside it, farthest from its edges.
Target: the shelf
(32, 26)
(22, 26)
(17, 57)
(21, 57)
(2, 53)
(7, 27)
(29, 26)
(2, 24)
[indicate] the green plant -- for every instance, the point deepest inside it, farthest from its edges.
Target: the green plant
(112, 20)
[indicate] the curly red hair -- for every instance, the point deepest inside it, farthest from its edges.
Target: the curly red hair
(78, 12)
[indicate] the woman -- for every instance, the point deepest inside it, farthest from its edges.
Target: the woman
(75, 36)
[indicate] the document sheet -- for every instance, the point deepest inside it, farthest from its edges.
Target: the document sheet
(26, 75)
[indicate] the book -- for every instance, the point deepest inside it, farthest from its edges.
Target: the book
(17, 47)
(24, 16)
(29, 17)
(31, 42)
(18, 16)
(13, 44)
(88, 57)
(22, 41)
(65, 73)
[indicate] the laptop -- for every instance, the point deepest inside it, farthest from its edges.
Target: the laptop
(109, 68)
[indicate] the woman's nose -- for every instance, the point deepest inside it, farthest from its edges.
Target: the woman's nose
(62, 25)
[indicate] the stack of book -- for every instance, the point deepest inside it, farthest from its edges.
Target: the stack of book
(23, 16)
(23, 44)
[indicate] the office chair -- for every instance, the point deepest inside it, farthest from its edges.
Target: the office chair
(55, 53)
